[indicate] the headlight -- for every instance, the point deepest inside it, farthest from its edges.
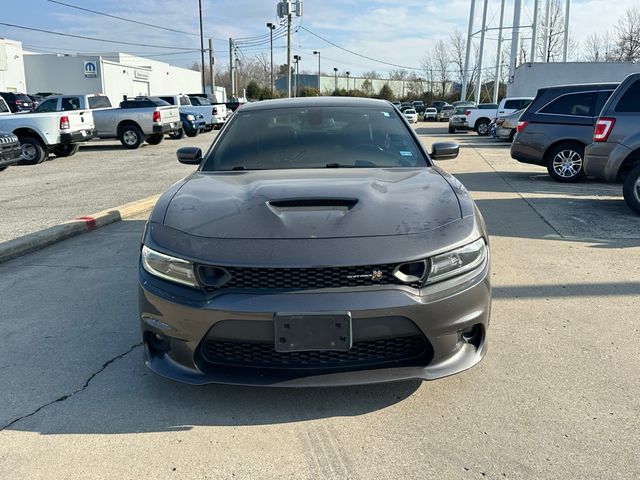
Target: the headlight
(170, 268)
(191, 118)
(457, 262)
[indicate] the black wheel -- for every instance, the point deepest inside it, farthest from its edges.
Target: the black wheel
(155, 139)
(2, 169)
(209, 128)
(452, 130)
(631, 189)
(66, 150)
(130, 136)
(176, 134)
(511, 135)
(483, 128)
(191, 133)
(565, 162)
(33, 152)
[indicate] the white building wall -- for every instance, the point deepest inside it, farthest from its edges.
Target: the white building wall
(529, 77)
(165, 78)
(12, 77)
(61, 74)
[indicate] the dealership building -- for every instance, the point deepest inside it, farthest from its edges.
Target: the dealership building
(115, 74)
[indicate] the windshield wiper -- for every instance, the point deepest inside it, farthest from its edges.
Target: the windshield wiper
(338, 165)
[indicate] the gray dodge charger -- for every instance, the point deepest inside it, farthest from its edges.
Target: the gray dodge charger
(315, 244)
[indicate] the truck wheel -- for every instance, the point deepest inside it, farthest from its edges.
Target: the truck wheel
(66, 150)
(176, 134)
(452, 130)
(482, 128)
(33, 152)
(565, 162)
(209, 128)
(191, 133)
(131, 136)
(155, 139)
(631, 189)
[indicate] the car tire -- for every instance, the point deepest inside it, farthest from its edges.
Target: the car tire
(452, 130)
(565, 162)
(130, 136)
(2, 169)
(631, 189)
(155, 139)
(176, 134)
(512, 136)
(191, 133)
(209, 128)
(66, 150)
(483, 128)
(33, 151)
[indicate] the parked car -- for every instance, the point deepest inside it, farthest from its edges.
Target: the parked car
(509, 105)
(614, 154)
(419, 106)
(411, 115)
(10, 150)
(17, 102)
(396, 104)
(233, 106)
(206, 109)
(505, 126)
(430, 114)
(405, 105)
(272, 264)
(192, 124)
(463, 103)
(445, 113)
(134, 122)
(438, 104)
(36, 99)
(479, 118)
(43, 133)
(555, 129)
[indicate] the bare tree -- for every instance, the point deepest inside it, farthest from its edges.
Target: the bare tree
(442, 59)
(628, 39)
(598, 48)
(428, 67)
(553, 49)
(458, 46)
(399, 74)
(371, 74)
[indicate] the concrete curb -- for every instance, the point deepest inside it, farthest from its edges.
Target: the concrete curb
(43, 238)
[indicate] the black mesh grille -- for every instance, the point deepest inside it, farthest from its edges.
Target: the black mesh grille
(368, 353)
(305, 278)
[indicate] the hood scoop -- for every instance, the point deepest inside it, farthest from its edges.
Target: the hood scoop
(311, 204)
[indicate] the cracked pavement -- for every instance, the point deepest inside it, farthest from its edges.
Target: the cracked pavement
(556, 397)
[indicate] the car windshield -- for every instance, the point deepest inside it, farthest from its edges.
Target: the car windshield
(410, 111)
(447, 108)
(461, 110)
(315, 137)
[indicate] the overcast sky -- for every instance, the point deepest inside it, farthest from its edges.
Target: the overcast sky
(398, 32)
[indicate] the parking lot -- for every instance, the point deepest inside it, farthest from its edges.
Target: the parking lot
(555, 397)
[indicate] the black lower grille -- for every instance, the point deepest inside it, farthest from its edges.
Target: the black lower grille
(368, 353)
(298, 278)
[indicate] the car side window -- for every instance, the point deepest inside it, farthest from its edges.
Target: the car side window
(99, 102)
(630, 101)
(512, 104)
(603, 96)
(524, 104)
(70, 103)
(575, 104)
(169, 100)
(4, 108)
(48, 105)
(184, 101)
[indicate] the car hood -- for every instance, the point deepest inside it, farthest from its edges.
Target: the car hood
(327, 203)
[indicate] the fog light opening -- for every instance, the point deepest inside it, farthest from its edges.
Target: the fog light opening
(157, 343)
(472, 335)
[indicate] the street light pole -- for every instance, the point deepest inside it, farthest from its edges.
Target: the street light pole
(271, 27)
(201, 46)
(335, 79)
(348, 73)
(316, 52)
(297, 59)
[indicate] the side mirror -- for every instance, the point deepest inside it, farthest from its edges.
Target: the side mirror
(189, 155)
(444, 151)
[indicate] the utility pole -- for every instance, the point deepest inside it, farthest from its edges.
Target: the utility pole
(289, 52)
(285, 9)
(567, 11)
(496, 83)
(467, 53)
(271, 27)
(534, 31)
(483, 33)
(316, 52)
(515, 38)
(201, 46)
(348, 73)
(211, 62)
(335, 79)
(297, 59)
(231, 66)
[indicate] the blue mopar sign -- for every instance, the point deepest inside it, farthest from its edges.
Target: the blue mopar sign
(90, 69)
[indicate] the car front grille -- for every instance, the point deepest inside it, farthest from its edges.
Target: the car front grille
(300, 278)
(396, 351)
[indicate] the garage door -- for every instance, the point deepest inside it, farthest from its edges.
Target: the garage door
(141, 88)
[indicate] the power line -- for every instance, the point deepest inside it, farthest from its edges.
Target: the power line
(96, 12)
(83, 37)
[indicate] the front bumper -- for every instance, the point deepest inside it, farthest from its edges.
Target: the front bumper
(167, 127)
(503, 133)
(10, 154)
(187, 320)
(78, 136)
(459, 123)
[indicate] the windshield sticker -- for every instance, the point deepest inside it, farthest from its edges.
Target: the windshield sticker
(404, 153)
(386, 114)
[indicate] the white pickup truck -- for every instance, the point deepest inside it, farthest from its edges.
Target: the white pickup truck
(479, 118)
(214, 115)
(51, 132)
(133, 123)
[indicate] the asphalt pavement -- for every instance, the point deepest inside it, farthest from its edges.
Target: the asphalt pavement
(556, 397)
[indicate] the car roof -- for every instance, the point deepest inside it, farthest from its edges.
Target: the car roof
(317, 102)
(581, 86)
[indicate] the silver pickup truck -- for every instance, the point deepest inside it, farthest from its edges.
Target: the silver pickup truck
(134, 122)
(214, 115)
